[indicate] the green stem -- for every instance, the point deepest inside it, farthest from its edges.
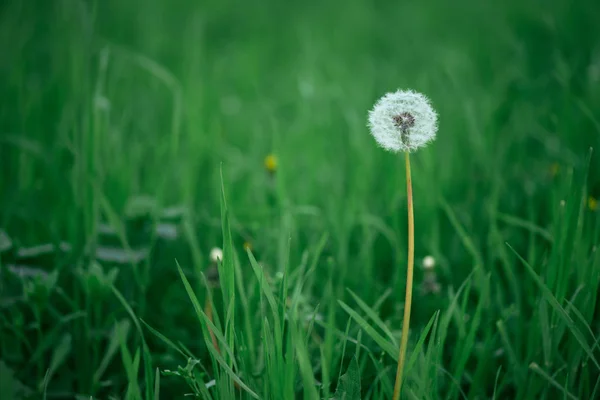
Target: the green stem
(409, 282)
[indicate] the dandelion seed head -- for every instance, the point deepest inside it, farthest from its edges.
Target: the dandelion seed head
(216, 255)
(403, 121)
(428, 262)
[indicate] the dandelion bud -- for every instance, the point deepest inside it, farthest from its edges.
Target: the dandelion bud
(592, 203)
(403, 121)
(271, 163)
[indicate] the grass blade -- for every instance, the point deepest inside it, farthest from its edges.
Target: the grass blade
(536, 368)
(373, 316)
(558, 308)
(388, 347)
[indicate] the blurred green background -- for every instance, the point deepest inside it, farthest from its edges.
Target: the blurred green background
(116, 118)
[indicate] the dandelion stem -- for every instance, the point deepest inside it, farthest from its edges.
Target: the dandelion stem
(409, 282)
(208, 310)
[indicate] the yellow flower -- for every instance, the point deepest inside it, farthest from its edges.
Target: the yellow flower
(592, 203)
(271, 163)
(247, 246)
(554, 169)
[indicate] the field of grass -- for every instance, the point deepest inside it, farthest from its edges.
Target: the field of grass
(133, 136)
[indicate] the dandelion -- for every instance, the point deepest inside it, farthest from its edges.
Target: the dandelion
(404, 121)
(216, 255)
(428, 263)
(271, 163)
(212, 280)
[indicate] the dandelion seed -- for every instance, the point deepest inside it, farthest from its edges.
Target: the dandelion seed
(216, 255)
(403, 121)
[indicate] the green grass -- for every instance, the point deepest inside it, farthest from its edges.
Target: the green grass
(132, 139)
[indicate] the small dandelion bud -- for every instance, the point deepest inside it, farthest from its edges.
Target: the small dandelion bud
(428, 263)
(403, 121)
(216, 255)
(271, 163)
(592, 203)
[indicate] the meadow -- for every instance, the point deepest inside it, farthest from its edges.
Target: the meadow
(136, 136)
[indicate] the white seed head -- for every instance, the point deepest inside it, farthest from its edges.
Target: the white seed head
(428, 262)
(216, 255)
(403, 121)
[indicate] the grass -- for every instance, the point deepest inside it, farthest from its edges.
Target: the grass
(132, 140)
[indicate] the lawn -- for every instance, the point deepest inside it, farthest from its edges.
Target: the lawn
(137, 136)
